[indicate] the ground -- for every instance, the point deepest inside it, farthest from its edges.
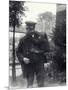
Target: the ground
(21, 82)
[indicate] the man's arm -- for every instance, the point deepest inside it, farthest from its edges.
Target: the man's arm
(19, 50)
(19, 53)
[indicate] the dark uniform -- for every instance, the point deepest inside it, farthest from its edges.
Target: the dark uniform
(33, 46)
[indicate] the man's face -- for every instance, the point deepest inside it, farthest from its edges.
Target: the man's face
(30, 28)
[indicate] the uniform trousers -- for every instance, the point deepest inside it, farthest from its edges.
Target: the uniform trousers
(29, 70)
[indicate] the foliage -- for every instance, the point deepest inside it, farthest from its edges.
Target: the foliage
(16, 9)
(46, 22)
(59, 39)
(46, 15)
(60, 36)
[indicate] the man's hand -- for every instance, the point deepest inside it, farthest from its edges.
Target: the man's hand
(26, 60)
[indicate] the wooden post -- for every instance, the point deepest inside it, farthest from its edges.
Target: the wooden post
(13, 64)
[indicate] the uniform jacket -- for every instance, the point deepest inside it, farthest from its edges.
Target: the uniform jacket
(33, 46)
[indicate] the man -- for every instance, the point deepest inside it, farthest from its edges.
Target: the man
(30, 53)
